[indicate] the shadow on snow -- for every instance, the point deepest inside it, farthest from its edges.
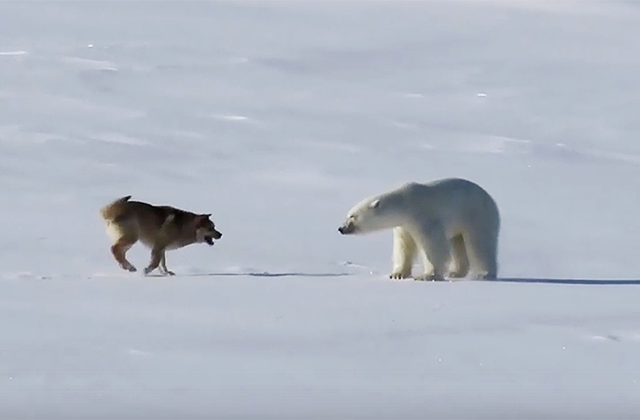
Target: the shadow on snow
(267, 274)
(590, 282)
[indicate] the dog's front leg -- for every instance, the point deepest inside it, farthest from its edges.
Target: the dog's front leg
(163, 265)
(156, 258)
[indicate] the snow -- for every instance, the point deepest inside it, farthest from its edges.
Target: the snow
(277, 118)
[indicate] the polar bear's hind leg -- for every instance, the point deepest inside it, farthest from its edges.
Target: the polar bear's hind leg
(483, 248)
(460, 257)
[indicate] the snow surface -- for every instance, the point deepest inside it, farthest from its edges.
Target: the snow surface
(277, 118)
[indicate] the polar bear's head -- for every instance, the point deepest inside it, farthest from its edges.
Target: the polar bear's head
(372, 214)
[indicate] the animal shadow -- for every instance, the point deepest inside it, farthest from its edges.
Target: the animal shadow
(267, 274)
(587, 282)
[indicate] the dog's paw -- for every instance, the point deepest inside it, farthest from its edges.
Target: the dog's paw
(129, 268)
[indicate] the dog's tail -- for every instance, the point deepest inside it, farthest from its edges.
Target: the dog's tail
(114, 209)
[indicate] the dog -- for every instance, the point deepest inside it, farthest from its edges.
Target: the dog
(160, 228)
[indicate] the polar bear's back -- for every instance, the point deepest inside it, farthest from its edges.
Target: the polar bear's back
(457, 201)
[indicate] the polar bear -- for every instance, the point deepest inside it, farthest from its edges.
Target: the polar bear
(449, 222)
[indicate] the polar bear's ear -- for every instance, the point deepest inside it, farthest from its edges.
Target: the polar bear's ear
(374, 204)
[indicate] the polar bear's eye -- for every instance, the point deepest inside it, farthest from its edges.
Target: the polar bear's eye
(374, 204)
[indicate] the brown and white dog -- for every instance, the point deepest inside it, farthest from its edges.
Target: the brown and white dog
(160, 228)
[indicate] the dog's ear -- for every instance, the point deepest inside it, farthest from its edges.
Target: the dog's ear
(200, 219)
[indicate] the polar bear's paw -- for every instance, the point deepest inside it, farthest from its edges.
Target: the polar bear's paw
(485, 276)
(429, 277)
(458, 274)
(398, 275)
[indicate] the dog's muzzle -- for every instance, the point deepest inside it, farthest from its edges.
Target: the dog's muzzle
(347, 228)
(209, 238)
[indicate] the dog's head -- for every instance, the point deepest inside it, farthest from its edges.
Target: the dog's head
(206, 229)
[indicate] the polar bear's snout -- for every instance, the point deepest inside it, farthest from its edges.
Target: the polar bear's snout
(347, 228)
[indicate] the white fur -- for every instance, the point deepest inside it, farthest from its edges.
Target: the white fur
(113, 231)
(451, 224)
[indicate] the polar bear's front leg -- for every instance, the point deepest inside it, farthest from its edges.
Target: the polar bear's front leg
(433, 243)
(404, 251)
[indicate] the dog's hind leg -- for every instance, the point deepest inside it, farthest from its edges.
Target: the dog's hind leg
(119, 250)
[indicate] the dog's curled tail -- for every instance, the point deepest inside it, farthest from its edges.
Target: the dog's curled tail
(114, 209)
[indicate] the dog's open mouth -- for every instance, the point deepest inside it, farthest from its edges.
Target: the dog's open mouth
(209, 240)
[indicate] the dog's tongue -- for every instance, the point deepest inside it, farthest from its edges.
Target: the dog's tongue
(209, 240)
